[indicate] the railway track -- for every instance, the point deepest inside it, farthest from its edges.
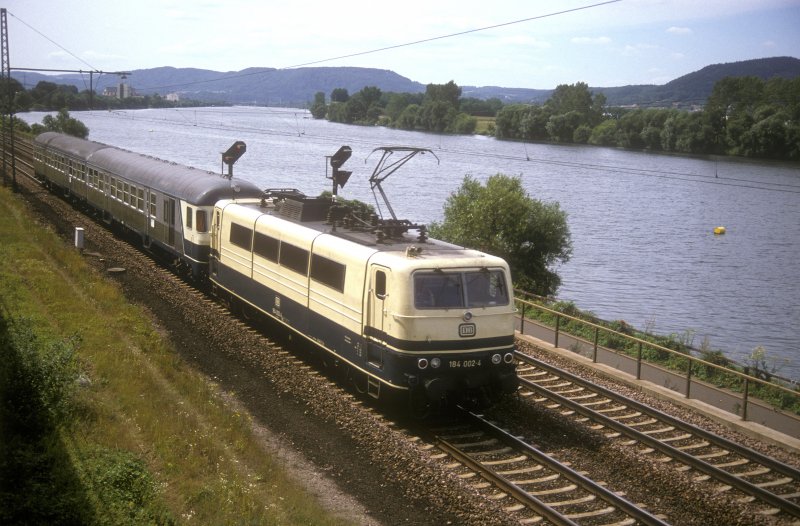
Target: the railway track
(717, 461)
(530, 484)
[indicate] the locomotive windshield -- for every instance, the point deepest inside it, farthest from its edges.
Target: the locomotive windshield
(454, 290)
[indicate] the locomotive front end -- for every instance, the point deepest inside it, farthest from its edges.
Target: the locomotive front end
(449, 329)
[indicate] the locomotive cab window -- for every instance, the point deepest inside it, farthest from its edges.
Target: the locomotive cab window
(452, 290)
(486, 288)
(189, 217)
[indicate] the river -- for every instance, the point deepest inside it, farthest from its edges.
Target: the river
(642, 224)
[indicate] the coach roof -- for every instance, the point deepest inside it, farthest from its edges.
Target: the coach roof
(195, 186)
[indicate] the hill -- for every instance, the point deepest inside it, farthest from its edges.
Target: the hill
(296, 87)
(694, 88)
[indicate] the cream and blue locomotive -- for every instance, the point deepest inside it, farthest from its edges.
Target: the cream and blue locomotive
(407, 315)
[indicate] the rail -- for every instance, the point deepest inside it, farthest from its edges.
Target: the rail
(735, 379)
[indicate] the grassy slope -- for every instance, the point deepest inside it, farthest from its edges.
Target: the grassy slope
(152, 440)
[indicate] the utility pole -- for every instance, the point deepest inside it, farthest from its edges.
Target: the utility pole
(7, 98)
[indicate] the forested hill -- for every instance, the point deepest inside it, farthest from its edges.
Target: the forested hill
(296, 87)
(694, 88)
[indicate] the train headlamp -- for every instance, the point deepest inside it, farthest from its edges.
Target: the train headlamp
(496, 359)
(467, 316)
(435, 363)
(509, 357)
(422, 363)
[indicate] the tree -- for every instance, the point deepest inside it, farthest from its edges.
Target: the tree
(318, 108)
(339, 95)
(62, 123)
(449, 93)
(501, 219)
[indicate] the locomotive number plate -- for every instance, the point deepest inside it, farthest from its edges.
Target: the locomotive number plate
(455, 364)
(466, 330)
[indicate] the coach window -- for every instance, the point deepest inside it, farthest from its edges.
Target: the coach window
(189, 217)
(140, 199)
(200, 223)
(153, 208)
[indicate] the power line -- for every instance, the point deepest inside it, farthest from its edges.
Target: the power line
(451, 35)
(356, 54)
(76, 57)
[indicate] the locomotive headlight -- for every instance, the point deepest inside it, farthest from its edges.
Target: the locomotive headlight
(467, 316)
(496, 359)
(422, 363)
(435, 363)
(509, 357)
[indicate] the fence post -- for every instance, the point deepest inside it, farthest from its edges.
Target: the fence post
(745, 397)
(522, 320)
(558, 322)
(689, 379)
(596, 337)
(639, 363)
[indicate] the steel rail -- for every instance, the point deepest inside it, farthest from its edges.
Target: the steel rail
(506, 485)
(700, 465)
(624, 505)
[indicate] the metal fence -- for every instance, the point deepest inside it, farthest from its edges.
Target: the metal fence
(729, 379)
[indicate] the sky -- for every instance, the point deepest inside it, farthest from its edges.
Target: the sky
(509, 43)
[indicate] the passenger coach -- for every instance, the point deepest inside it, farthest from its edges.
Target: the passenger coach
(167, 204)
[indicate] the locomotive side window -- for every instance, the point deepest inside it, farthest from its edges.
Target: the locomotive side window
(266, 247)
(294, 258)
(380, 284)
(241, 236)
(188, 217)
(201, 224)
(328, 272)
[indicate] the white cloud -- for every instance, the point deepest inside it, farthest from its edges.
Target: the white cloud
(679, 30)
(591, 40)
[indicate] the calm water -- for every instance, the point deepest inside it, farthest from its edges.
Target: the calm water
(642, 224)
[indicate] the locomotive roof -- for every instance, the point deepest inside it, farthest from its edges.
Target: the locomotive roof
(198, 187)
(365, 237)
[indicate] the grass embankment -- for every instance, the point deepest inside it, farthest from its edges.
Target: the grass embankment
(101, 422)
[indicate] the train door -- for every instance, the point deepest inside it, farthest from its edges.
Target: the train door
(378, 297)
(169, 219)
(216, 225)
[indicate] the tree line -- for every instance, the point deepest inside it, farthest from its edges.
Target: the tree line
(49, 96)
(744, 116)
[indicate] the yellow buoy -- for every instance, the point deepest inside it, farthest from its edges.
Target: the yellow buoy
(719, 230)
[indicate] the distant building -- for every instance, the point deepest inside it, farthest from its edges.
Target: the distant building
(121, 91)
(172, 97)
